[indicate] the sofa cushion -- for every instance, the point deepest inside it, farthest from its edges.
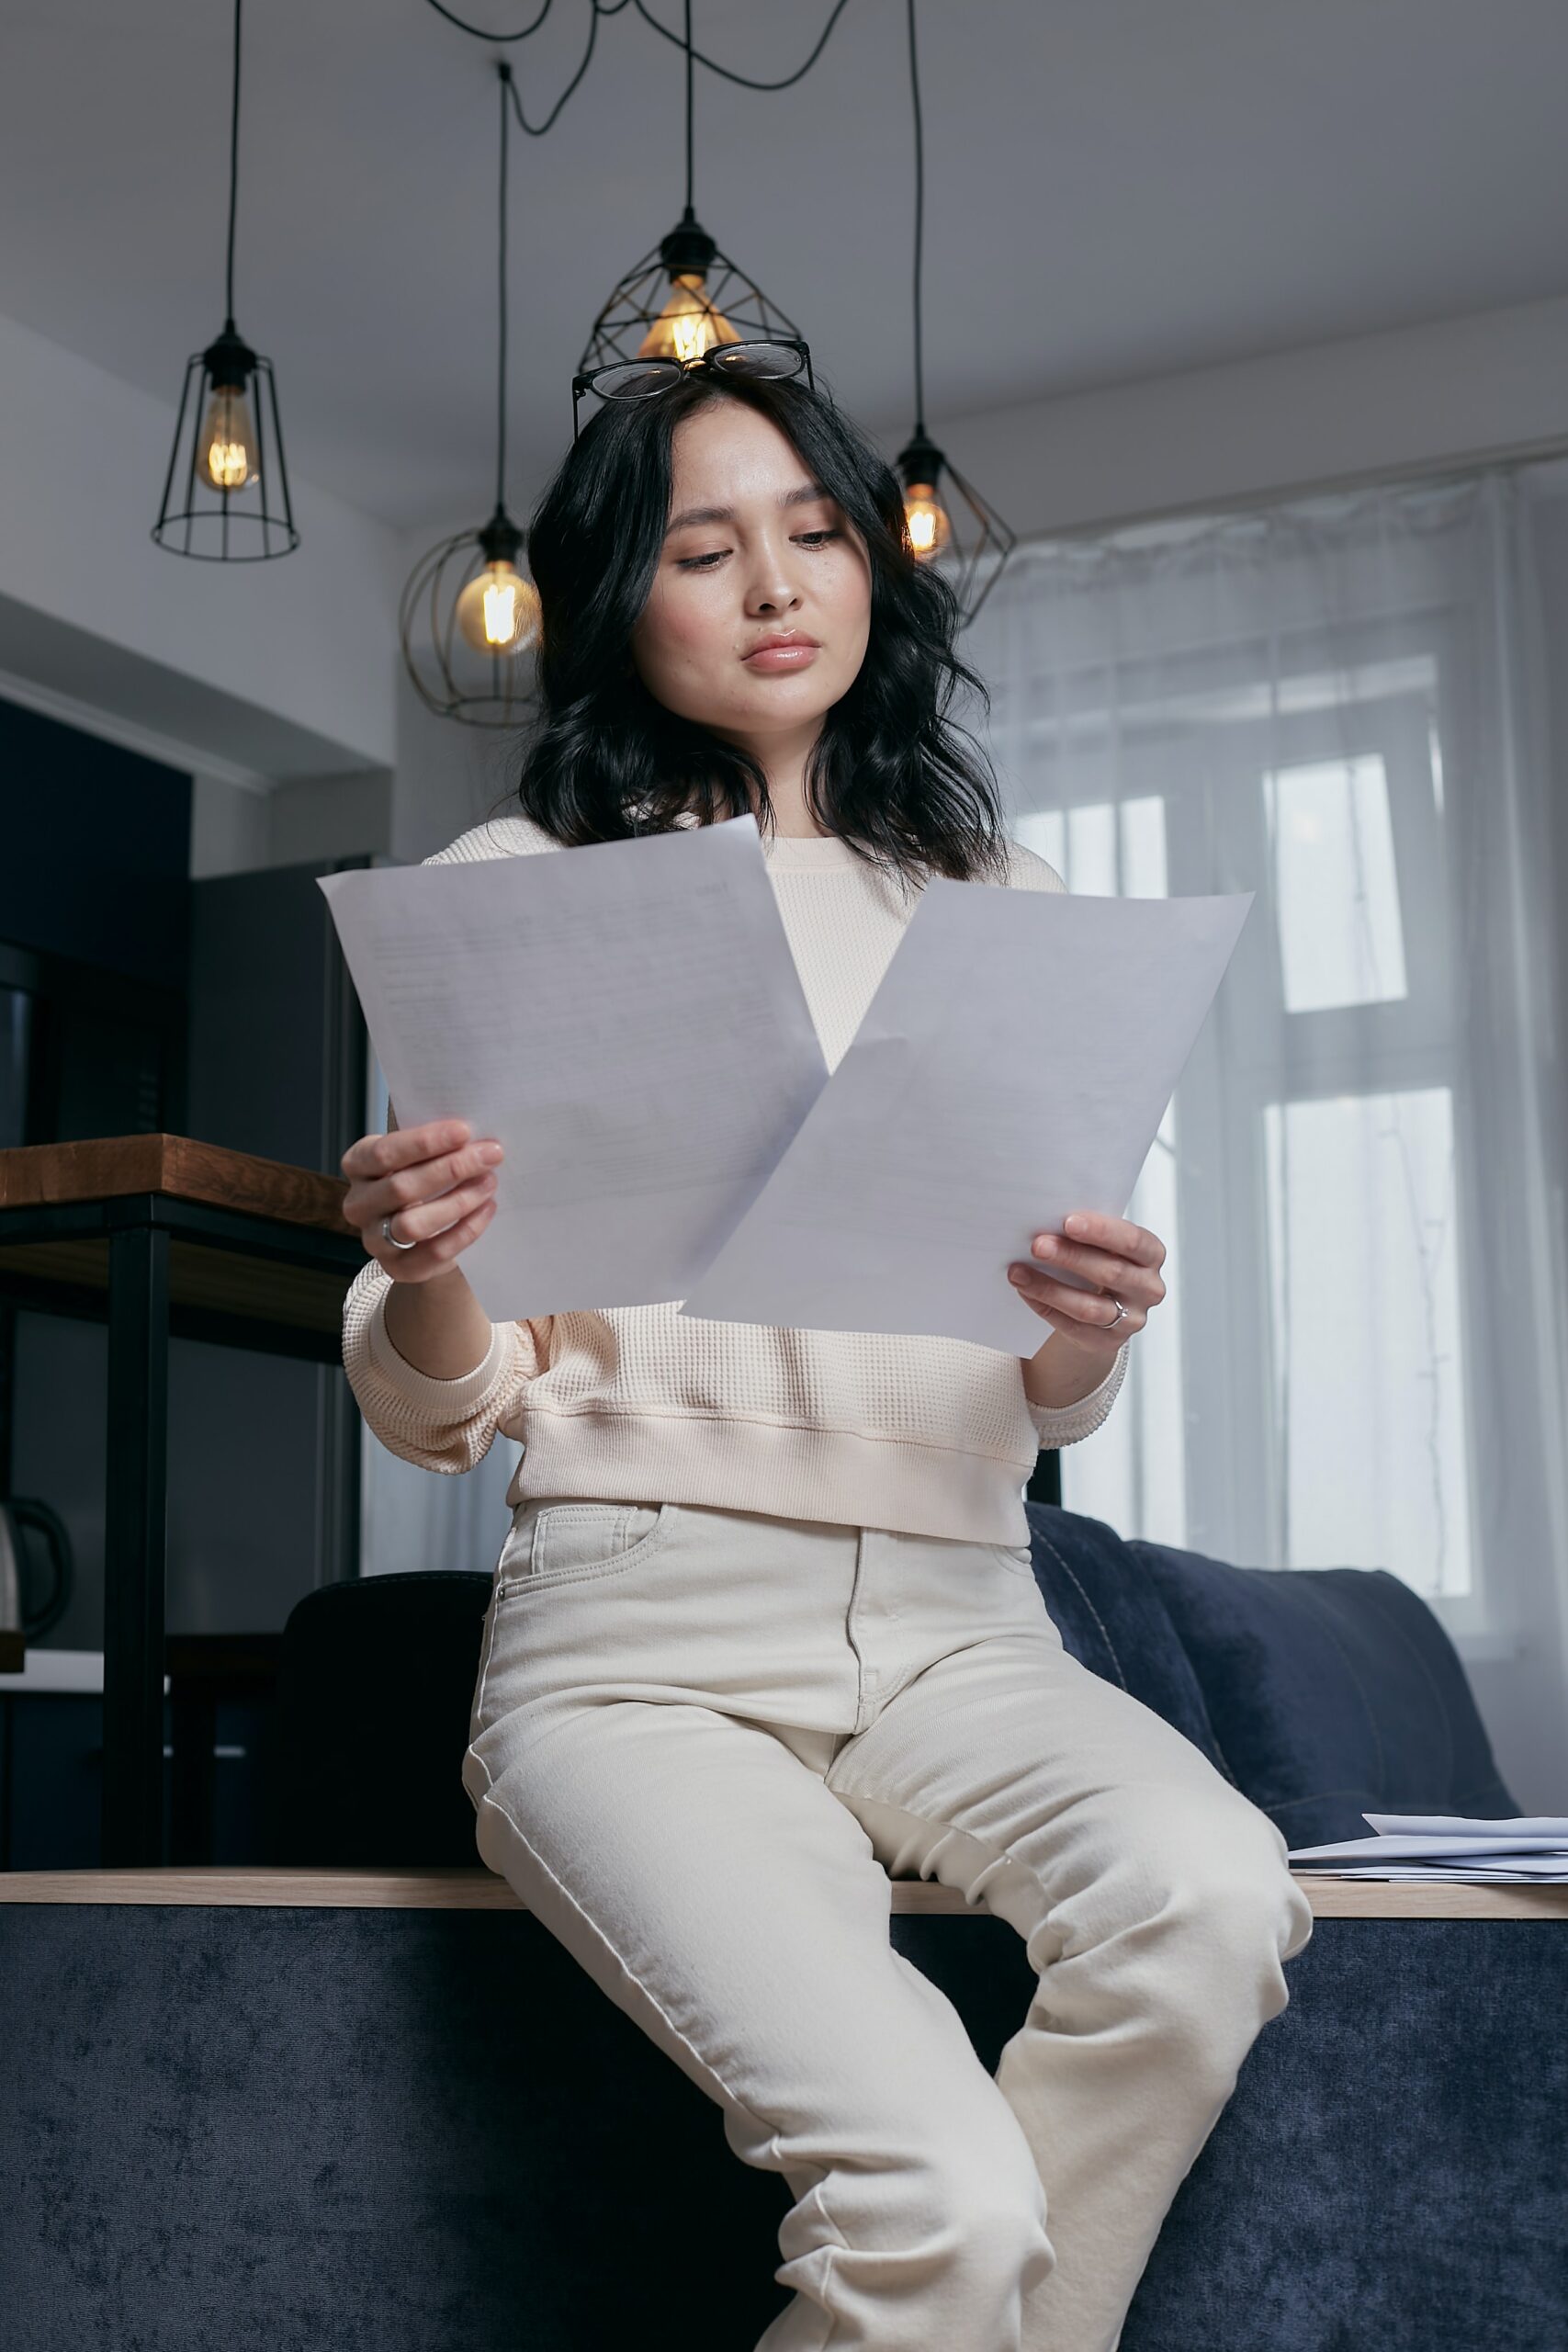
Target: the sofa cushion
(1332, 1691)
(1112, 1616)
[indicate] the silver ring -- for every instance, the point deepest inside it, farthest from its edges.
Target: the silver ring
(1116, 1318)
(387, 1234)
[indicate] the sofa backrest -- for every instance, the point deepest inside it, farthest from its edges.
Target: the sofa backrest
(1112, 1616)
(1318, 1692)
(1330, 1692)
(374, 1687)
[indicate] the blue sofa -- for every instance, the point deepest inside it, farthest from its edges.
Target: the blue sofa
(405, 2129)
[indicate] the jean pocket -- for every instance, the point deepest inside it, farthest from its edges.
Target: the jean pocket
(574, 1543)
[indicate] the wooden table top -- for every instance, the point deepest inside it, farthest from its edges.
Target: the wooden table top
(105, 1168)
(478, 1889)
(220, 1281)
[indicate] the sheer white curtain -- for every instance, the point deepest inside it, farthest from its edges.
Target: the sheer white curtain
(1343, 706)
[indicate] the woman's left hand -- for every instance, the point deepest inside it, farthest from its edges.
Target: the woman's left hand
(1122, 1257)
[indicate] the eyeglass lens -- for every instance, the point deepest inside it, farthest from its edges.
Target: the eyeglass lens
(639, 378)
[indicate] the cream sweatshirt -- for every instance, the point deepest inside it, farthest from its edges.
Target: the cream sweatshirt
(639, 1404)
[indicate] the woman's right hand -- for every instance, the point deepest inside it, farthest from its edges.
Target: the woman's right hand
(436, 1186)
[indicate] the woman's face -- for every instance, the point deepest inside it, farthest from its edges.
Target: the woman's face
(754, 551)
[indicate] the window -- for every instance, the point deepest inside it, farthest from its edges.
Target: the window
(1368, 1361)
(1299, 1397)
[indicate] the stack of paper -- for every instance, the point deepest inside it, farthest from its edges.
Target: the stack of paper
(628, 1020)
(1447, 1846)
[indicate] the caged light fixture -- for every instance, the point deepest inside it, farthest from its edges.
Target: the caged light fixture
(977, 542)
(684, 297)
(474, 613)
(231, 501)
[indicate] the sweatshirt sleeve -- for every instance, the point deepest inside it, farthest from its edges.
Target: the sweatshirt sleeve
(440, 1424)
(1057, 1425)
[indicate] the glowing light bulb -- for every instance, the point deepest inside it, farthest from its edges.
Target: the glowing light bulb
(499, 611)
(688, 324)
(930, 525)
(228, 459)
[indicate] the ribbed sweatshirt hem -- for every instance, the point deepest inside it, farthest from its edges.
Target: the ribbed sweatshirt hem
(815, 1473)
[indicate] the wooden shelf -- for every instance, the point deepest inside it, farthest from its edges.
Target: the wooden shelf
(477, 1889)
(164, 1238)
(305, 1298)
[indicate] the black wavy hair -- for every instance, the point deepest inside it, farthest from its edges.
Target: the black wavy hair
(905, 787)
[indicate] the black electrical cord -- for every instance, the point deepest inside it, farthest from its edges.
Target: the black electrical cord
(598, 8)
(919, 229)
(537, 130)
(234, 173)
(689, 61)
(744, 79)
(505, 73)
(480, 32)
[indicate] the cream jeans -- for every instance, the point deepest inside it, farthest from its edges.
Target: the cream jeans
(700, 1741)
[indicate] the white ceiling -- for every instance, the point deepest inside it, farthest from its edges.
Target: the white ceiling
(1115, 189)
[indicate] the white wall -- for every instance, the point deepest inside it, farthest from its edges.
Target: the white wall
(449, 775)
(236, 829)
(285, 679)
(280, 669)
(1372, 405)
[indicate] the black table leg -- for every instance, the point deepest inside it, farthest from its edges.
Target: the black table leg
(193, 1725)
(134, 1545)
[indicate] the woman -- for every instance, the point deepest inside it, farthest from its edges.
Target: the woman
(764, 1628)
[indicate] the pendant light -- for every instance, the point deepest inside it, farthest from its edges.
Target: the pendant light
(473, 613)
(685, 296)
(975, 543)
(232, 488)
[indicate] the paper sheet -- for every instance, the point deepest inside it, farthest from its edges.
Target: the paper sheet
(1446, 1846)
(1551, 1829)
(625, 1018)
(1465, 1876)
(1013, 1066)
